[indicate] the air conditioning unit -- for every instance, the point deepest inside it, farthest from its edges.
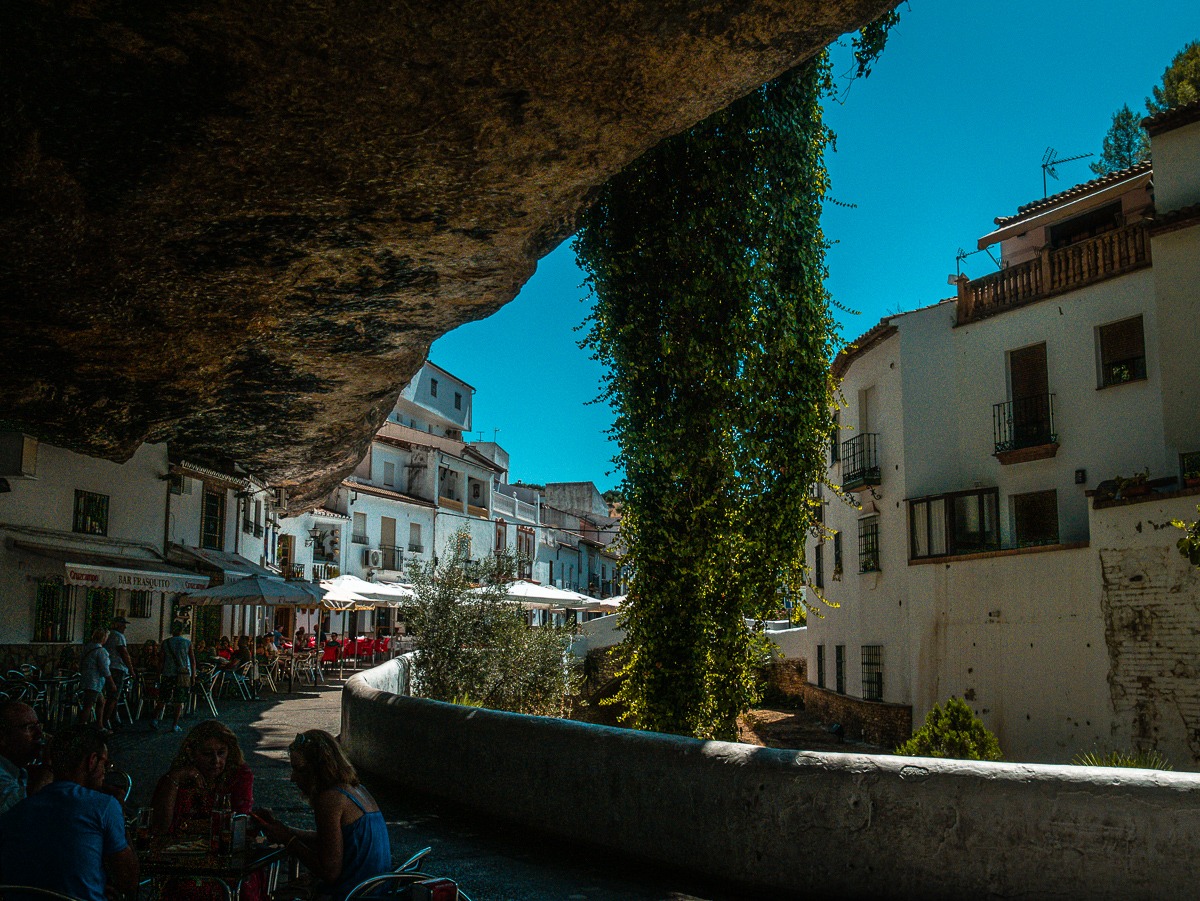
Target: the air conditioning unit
(374, 557)
(18, 454)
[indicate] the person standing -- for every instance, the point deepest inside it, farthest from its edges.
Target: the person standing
(70, 836)
(121, 666)
(20, 744)
(178, 668)
(95, 675)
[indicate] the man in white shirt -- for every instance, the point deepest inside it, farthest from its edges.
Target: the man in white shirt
(120, 668)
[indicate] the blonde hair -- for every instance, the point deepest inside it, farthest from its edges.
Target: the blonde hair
(324, 758)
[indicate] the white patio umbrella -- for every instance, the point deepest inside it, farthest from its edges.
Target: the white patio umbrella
(256, 591)
(372, 591)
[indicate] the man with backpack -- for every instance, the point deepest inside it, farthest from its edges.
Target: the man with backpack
(178, 669)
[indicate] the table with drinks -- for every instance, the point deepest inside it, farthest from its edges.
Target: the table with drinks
(219, 850)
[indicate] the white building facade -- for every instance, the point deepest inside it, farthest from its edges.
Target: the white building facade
(983, 439)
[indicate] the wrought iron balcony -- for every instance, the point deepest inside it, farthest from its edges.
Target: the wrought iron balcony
(860, 462)
(1025, 422)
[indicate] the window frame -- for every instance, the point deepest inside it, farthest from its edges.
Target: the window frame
(1015, 501)
(1134, 367)
(819, 564)
(949, 539)
(839, 664)
(820, 666)
(433, 387)
(219, 533)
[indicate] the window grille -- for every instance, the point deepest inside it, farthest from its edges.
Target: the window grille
(837, 556)
(52, 611)
(868, 545)
(433, 387)
(91, 513)
(1122, 352)
(819, 566)
(139, 604)
(872, 672)
(820, 666)
(839, 665)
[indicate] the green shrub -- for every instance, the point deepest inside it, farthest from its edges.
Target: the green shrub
(953, 731)
(1142, 760)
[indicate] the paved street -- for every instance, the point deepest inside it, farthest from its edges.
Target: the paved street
(491, 861)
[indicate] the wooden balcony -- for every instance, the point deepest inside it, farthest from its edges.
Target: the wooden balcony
(1052, 272)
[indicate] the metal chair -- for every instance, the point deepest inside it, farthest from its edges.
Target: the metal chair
(240, 679)
(203, 686)
(16, 891)
(119, 784)
(392, 885)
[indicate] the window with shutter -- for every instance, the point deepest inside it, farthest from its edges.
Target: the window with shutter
(1122, 352)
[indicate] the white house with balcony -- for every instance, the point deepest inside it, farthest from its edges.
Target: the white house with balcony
(82, 541)
(1000, 546)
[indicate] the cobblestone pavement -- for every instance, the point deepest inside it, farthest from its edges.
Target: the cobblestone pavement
(491, 861)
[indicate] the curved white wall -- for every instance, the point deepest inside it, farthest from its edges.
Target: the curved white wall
(816, 824)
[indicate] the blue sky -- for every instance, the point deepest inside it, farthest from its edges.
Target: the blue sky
(946, 134)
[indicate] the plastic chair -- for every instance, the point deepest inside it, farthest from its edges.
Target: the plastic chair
(330, 655)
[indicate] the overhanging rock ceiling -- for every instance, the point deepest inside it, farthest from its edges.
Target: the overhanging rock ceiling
(238, 226)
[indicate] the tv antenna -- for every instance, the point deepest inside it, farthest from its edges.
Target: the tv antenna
(1050, 160)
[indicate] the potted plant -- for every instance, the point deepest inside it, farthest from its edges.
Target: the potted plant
(1137, 485)
(1191, 477)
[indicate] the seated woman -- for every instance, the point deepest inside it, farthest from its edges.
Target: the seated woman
(350, 843)
(208, 768)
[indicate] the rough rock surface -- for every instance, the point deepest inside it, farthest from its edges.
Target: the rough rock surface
(238, 226)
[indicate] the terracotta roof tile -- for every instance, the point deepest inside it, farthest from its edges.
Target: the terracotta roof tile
(1168, 120)
(1184, 217)
(1079, 190)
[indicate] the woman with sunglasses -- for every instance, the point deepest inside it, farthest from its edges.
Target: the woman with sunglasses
(350, 843)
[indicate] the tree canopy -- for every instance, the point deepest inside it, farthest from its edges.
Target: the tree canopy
(1125, 145)
(1180, 82)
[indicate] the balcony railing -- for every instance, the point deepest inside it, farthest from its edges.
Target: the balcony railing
(392, 557)
(1055, 272)
(293, 571)
(860, 462)
(322, 571)
(1025, 422)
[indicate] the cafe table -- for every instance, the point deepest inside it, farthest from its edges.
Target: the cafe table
(190, 857)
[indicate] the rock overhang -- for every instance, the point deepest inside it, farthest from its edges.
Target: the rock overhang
(238, 227)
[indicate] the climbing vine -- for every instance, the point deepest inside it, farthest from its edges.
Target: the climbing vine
(707, 262)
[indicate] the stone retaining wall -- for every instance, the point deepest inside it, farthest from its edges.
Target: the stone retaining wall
(797, 823)
(875, 722)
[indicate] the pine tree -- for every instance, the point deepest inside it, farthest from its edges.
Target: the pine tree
(1180, 82)
(1125, 144)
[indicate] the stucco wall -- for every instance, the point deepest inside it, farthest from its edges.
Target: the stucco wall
(818, 825)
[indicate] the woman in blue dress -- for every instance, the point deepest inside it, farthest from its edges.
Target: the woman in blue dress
(350, 843)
